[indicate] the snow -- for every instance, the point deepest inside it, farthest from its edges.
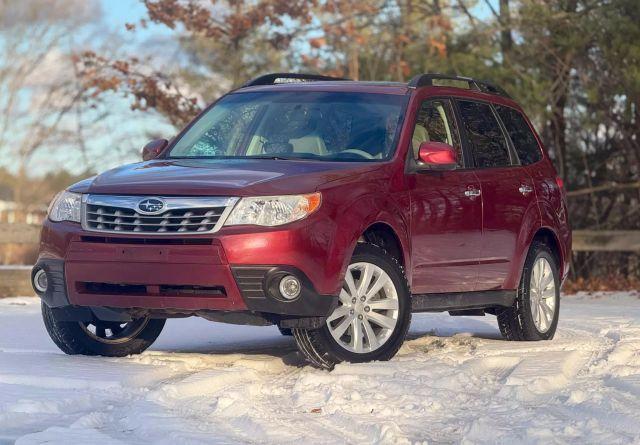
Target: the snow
(454, 381)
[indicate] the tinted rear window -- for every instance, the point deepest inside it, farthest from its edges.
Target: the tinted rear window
(488, 145)
(521, 135)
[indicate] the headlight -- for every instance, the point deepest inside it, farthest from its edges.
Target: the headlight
(65, 207)
(273, 210)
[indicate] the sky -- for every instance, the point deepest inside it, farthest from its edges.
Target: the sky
(119, 12)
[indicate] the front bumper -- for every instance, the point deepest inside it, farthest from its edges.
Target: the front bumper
(177, 275)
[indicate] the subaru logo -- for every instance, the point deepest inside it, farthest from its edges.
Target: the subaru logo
(151, 205)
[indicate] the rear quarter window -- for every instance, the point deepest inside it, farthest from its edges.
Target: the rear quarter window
(523, 139)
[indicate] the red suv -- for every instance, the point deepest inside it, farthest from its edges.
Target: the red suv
(330, 208)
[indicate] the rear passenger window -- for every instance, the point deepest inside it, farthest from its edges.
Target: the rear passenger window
(521, 135)
(488, 145)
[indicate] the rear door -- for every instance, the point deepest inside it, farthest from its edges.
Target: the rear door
(508, 196)
(446, 210)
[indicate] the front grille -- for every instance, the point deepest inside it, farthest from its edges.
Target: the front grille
(148, 241)
(120, 214)
(127, 220)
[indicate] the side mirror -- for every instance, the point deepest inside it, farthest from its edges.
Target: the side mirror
(437, 156)
(153, 149)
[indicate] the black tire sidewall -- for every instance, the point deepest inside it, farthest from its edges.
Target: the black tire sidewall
(528, 325)
(375, 255)
(71, 338)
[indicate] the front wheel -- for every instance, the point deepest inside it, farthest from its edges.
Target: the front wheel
(111, 339)
(534, 314)
(372, 316)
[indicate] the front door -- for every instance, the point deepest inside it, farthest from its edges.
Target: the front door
(446, 211)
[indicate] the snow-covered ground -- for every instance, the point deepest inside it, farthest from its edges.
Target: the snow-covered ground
(454, 381)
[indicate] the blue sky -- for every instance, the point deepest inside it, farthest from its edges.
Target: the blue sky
(119, 12)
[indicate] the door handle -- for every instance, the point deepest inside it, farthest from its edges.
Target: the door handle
(472, 193)
(525, 189)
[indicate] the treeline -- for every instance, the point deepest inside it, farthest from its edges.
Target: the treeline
(37, 190)
(574, 65)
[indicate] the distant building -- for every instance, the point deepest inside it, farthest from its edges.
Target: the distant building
(12, 212)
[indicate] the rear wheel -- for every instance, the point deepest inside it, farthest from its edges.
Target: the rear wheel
(534, 314)
(372, 316)
(112, 339)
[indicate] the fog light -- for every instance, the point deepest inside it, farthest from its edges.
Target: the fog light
(290, 287)
(40, 281)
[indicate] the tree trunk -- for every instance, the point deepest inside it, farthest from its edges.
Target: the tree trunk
(558, 129)
(506, 40)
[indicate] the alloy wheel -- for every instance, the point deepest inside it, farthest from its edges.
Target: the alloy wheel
(113, 331)
(368, 310)
(542, 295)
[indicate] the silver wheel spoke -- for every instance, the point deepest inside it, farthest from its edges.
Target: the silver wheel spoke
(365, 279)
(351, 285)
(340, 311)
(342, 327)
(371, 336)
(546, 310)
(382, 320)
(382, 281)
(547, 279)
(344, 297)
(356, 335)
(385, 304)
(540, 319)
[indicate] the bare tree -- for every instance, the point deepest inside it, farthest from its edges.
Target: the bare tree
(39, 90)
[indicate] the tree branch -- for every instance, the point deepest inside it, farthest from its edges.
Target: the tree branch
(610, 186)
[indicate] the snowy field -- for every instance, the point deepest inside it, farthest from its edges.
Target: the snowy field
(454, 381)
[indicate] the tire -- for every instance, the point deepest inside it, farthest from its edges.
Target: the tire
(390, 305)
(521, 322)
(74, 337)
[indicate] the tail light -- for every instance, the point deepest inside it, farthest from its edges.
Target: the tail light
(563, 192)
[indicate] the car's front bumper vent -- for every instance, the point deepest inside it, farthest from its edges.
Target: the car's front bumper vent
(123, 214)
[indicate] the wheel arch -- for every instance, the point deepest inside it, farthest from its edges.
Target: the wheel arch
(394, 236)
(547, 236)
(385, 236)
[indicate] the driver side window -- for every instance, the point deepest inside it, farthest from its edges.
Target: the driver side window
(434, 123)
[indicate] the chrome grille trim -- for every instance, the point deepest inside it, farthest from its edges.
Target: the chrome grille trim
(119, 214)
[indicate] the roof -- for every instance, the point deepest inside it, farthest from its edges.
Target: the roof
(478, 89)
(335, 85)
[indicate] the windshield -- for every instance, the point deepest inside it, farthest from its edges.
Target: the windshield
(296, 125)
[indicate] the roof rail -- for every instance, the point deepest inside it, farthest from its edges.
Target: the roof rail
(423, 80)
(270, 79)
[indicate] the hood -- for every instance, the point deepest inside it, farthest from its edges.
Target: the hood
(220, 177)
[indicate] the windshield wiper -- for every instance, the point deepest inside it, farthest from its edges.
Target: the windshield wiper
(275, 158)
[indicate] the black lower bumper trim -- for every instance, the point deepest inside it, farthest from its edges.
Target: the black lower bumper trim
(56, 293)
(259, 289)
